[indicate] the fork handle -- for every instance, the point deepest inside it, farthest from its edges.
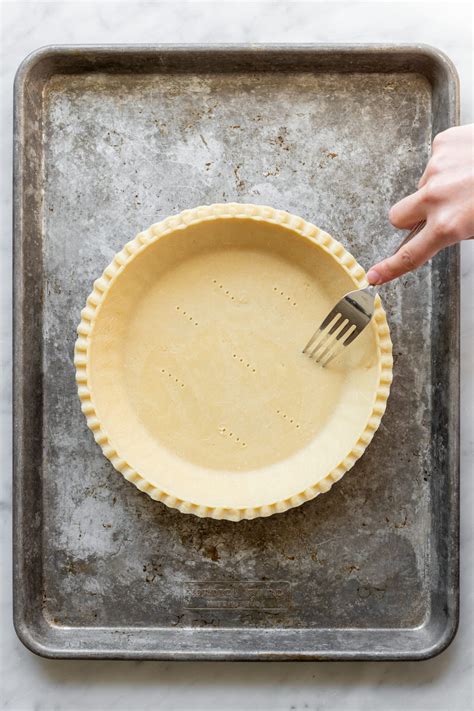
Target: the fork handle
(413, 232)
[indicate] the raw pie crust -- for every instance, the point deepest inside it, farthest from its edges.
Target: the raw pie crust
(190, 371)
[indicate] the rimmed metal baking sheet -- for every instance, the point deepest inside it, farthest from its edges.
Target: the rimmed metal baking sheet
(107, 141)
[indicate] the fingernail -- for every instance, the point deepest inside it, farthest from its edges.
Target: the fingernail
(373, 277)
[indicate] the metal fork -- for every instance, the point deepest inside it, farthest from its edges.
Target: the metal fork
(347, 319)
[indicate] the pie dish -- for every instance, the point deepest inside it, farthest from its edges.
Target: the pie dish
(190, 369)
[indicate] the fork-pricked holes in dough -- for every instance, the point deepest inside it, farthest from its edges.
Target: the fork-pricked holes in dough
(287, 297)
(224, 290)
(172, 378)
(244, 362)
(187, 316)
(288, 418)
(226, 432)
(232, 296)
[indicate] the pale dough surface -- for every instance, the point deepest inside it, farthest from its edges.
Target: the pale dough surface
(197, 369)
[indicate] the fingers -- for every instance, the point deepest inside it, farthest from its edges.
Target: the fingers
(424, 177)
(409, 211)
(412, 255)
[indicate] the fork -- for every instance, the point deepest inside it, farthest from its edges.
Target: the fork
(348, 318)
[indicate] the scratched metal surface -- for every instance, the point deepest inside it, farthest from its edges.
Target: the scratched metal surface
(120, 151)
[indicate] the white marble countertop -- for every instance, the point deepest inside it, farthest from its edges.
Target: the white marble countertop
(30, 683)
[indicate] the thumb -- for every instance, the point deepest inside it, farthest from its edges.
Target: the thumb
(412, 255)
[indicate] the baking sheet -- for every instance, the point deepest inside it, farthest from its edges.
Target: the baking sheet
(111, 139)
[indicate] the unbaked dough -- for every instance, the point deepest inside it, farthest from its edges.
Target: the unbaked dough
(195, 367)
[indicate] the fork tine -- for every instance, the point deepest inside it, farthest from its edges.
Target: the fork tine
(337, 350)
(329, 317)
(351, 333)
(325, 335)
(327, 321)
(352, 336)
(328, 340)
(312, 339)
(343, 326)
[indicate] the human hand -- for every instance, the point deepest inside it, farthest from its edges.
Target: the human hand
(445, 199)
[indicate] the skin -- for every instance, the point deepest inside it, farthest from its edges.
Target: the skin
(445, 199)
